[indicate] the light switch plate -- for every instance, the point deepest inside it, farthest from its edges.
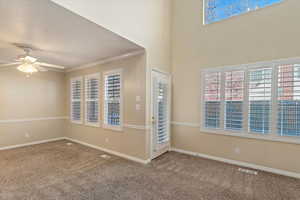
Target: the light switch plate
(138, 98)
(137, 107)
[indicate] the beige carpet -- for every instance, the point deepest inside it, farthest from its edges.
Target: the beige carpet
(60, 172)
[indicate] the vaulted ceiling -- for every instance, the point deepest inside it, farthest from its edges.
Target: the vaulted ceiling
(56, 35)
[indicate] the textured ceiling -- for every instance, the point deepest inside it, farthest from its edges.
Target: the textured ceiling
(57, 35)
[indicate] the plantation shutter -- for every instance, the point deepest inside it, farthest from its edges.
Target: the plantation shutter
(260, 91)
(76, 89)
(289, 100)
(92, 99)
(212, 99)
(234, 89)
(161, 89)
(112, 104)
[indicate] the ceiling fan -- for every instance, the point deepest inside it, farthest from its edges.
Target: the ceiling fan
(29, 64)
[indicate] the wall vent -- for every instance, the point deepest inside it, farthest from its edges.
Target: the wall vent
(248, 171)
(105, 156)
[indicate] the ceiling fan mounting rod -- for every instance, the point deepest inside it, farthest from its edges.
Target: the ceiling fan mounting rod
(27, 50)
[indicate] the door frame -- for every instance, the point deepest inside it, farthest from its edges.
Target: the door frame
(169, 77)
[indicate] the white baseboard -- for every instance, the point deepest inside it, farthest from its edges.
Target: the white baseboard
(31, 143)
(239, 163)
(132, 158)
(135, 159)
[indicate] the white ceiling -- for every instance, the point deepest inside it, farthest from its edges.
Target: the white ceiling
(58, 36)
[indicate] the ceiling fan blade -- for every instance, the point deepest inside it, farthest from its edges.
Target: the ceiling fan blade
(50, 65)
(4, 44)
(10, 64)
(41, 69)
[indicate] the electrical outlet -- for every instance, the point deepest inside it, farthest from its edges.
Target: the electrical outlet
(105, 156)
(27, 135)
(106, 140)
(248, 171)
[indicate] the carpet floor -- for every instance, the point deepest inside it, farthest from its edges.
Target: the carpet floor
(57, 171)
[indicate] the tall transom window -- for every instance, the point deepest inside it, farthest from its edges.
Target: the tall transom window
(217, 10)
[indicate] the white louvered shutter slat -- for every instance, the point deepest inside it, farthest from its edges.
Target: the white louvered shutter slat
(260, 100)
(162, 111)
(76, 90)
(112, 107)
(234, 89)
(92, 99)
(289, 100)
(212, 98)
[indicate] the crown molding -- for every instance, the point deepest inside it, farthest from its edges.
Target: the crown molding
(106, 60)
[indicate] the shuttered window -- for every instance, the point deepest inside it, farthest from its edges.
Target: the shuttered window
(92, 99)
(212, 99)
(76, 92)
(289, 100)
(260, 91)
(234, 95)
(260, 100)
(113, 99)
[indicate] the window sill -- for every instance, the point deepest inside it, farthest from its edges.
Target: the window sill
(95, 125)
(285, 139)
(76, 122)
(114, 128)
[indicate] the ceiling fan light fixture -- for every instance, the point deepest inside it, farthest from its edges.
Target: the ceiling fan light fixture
(29, 59)
(27, 68)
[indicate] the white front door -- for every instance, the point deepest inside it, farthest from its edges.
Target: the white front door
(160, 113)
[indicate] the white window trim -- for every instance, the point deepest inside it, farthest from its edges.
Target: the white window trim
(79, 78)
(272, 136)
(95, 75)
(108, 126)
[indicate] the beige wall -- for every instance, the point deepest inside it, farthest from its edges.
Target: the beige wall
(266, 34)
(129, 141)
(46, 95)
(39, 96)
(145, 22)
